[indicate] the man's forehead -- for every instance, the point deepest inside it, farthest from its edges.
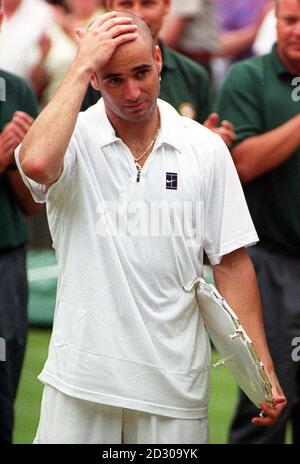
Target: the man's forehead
(134, 49)
(130, 57)
(289, 6)
(109, 72)
(128, 64)
(139, 2)
(142, 29)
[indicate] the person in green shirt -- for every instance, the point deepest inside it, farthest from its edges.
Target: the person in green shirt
(184, 83)
(261, 97)
(18, 106)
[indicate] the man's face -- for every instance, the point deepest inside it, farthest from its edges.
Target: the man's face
(288, 31)
(150, 11)
(130, 82)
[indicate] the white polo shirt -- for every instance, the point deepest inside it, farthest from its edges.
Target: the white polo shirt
(127, 330)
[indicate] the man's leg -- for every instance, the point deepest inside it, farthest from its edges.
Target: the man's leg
(68, 420)
(144, 428)
(278, 278)
(13, 329)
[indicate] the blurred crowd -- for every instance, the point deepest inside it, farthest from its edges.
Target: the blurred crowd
(38, 39)
(38, 42)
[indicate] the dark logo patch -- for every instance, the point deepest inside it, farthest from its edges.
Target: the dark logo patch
(171, 181)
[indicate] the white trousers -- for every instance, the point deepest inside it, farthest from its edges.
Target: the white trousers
(68, 420)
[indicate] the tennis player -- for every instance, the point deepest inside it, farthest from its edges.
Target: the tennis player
(135, 194)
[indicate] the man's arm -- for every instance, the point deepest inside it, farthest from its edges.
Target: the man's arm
(24, 198)
(236, 281)
(8, 143)
(258, 151)
(44, 147)
(259, 154)
(232, 43)
(10, 138)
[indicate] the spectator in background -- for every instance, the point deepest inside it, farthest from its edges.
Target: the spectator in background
(17, 108)
(59, 45)
(191, 28)
(239, 22)
(129, 357)
(22, 30)
(258, 97)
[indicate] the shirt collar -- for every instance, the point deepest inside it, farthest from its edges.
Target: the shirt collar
(105, 130)
(172, 126)
(167, 57)
(279, 67)
(171, 132)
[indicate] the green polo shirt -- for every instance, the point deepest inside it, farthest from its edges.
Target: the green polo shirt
(257, 97)
(17, 96)
(185, 85)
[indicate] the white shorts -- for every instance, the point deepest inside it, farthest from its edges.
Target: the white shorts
(68, 420)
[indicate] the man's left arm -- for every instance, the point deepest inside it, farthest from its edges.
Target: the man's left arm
(24, 198)
(236, 281)
(15, 131)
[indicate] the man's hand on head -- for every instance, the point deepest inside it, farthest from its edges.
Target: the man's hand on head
(98, 43)
(225, 131)
(11, 136)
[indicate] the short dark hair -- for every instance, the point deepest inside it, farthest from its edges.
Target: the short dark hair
(143, 29)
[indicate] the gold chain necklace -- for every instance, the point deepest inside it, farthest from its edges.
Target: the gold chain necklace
(136, 160)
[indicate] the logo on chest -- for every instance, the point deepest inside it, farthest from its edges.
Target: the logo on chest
(171, 181)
